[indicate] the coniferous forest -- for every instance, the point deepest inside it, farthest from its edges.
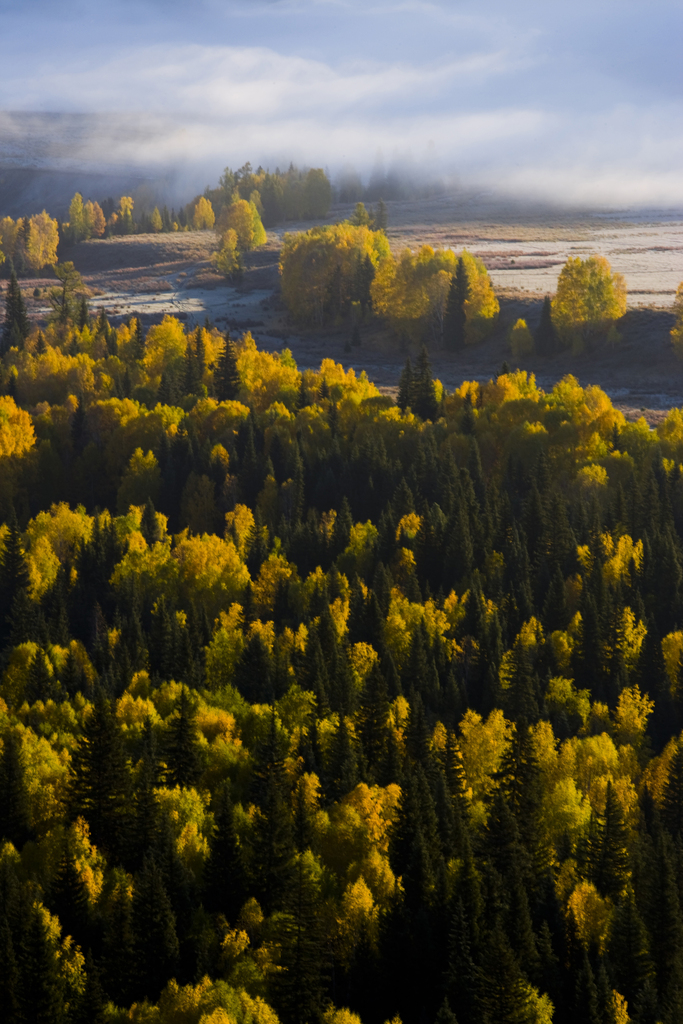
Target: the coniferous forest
(319, 707)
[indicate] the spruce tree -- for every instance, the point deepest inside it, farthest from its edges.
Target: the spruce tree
(226, 378)
(225, 883)
(609, 862)
(15, 328)
(272, 838)
(100, 781)
(68, 899)
(91, 1006)
(424, 396)
(405, 387)
(545, 336)
(119, 957)
(14, 820)
(154, 929)
(455, 316)
(672, 809)
(14, 575)
(300, 986)
(10, 988)
(41, 994)
(183, 752)
(628, 950)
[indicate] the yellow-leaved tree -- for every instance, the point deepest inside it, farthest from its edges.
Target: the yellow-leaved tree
(589, 299)
(243, 218)
(677, 329)
(203, 217)
(42, 239)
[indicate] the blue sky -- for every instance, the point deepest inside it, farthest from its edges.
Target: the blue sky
(575, 100)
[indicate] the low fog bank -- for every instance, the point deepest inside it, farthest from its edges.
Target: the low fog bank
(46, 157)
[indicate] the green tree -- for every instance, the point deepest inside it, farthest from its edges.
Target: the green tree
(226, 378)
(455, 316)
(62, 299)
(15, 328)
(154, 928)
(424, 402)
(14, 803)
(545, 335)
(183, 752)
(100, 779)
(225, 882)
(300, 987)
(41, 993)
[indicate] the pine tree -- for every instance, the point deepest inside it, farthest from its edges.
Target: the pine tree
(545, 336)
(374, 714)
(272, 839)
(41, 993)
(16, 327)
(504, 993)
(610, 868)
(225, 885)
(342, 769)
(183, 752)
(672, 809)
(154, 928)
(299, 987)
(9, 972)
(91, 1006)
(628, 950)
(68, 898)
(254, 672)
(455, 317)
(226, 378)
(119, 957)
(100, 783)
(14, 820)
(83, 318)
(405, 387)
(586, 997)
(14, 575)
(424, 396)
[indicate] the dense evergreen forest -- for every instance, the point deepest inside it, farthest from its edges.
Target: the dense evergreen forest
(319, 707)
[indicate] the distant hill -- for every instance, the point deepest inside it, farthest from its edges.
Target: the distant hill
(46, 157)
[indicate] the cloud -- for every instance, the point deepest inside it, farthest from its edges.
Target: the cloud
(580, 101)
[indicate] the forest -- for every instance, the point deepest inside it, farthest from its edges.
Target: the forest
(319, 707)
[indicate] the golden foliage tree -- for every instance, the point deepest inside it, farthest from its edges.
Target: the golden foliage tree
(589, 298)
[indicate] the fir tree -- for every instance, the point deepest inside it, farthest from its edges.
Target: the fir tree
(300, 988)
(424, 396)
(15, 328)
(226, 378)
(272, 838)
(609, 866)
(455, 316)
(545, 337)
(119, 956)
(14, 803)
(14, 575)
(41, 992)
(68, 898)
(225, 884)
(91, 1006)
(9, 972)
(628, 950)
(183, 752)
(154, 929)
(405, 387)
(100, 784)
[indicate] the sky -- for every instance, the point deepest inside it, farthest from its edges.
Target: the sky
(574, 101)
